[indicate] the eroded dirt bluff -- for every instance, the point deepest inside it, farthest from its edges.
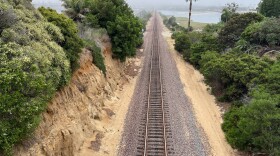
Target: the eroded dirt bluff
(74, 114)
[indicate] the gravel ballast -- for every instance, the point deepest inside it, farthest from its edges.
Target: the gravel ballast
(187, 138)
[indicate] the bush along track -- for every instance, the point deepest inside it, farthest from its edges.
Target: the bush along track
(232, 57)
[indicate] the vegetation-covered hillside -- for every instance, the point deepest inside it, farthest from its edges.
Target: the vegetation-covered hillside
(123, 27)
(33, 66)
(239, 58)
(39, 50)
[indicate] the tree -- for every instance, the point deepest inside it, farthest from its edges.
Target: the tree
(190, 13)
(233, 29)
(231, 75)
(75, 9)
(271, 79)
(107, 10)
(229, 11)
(172, 21)
(255, 127)
(126, 35)
(182, 42)
(213, 28)
(207, 43)
(265, 33)
(269, 8)
(123, 27)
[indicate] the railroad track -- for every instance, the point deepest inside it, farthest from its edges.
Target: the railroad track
(155, 133)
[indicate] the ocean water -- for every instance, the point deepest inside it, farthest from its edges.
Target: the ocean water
(203, 16)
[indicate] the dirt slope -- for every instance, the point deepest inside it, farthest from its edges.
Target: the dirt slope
(91, 105)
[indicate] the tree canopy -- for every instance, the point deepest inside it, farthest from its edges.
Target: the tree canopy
(232, 74)
(229, 11)
(270, 8)
(255, 127)
(232, 30)
(265, 33)
(125, 32)
(123, 27)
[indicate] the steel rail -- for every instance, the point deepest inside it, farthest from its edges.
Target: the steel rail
(155, 51)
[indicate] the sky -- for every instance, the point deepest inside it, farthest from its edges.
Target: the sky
(154, 3)
(177, 2)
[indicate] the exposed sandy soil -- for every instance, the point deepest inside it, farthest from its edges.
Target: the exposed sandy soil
(207, 112)
(86, 116)
(109, 130)
(105, 141)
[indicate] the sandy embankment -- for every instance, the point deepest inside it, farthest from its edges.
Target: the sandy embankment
(207, 112)
(106, 140)
(110, 128)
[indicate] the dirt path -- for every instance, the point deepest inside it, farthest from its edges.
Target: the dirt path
(208, 114)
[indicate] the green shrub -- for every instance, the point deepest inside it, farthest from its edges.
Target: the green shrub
(171, 23)
(98, 59)
(89, 35)
(107, 10)
(270, 8)
(229, 11)
(92, 21)
(195, 36)
(182, 42)
(72, 44)
(265, 33)
(213, 28)
(32, 66)
(231, 75)
(271, 79)
(125, 33)
(77, 9)
(174, 34)
(208, 56)
(243, 45)
(255, 127)
(193, 44)
(7, 16)
(207, 43)
(197, 50)
(233, 29)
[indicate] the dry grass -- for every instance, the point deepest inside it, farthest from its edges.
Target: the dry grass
(183, 21)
